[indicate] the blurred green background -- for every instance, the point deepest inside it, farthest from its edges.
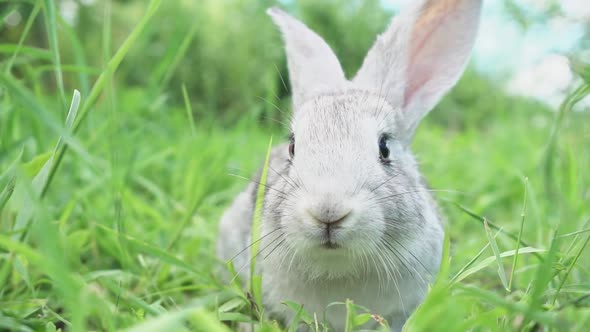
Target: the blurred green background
(115, 227)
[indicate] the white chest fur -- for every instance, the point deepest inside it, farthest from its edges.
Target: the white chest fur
(393, 299)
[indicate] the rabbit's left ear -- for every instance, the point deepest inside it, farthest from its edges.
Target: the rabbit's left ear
(313, 66)
(421, 56)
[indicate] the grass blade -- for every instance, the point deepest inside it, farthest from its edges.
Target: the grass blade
(105, 76)
(256, 222)
(470, 263)
(546, 318)
(564, 109)
(81, 66)
(24, 35)
(496, 251)
(115, 61)
(39, 183)
(522, 216)
(70, 118)
(494, 226)
(167, 70)
(544, 274)
(30, 103)
(7, 192)
(10, 185)
(153, 250)
(189, 109)
(33, 52)
(570, 268)
(51, 26)
(489, 260)
(174, 321)
(582, 231)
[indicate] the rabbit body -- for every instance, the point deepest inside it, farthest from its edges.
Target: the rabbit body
(346, 213)
(293, 264)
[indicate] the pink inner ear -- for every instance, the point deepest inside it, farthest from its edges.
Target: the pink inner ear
(419, 77)
(421, 68)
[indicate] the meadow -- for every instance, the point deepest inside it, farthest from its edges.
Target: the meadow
(110, 196)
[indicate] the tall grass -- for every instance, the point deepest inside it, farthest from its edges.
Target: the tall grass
(109, 208)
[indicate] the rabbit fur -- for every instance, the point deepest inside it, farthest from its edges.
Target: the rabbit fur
(346, 213)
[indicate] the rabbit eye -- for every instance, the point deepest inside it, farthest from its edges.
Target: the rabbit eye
(383, 149)
(292, 148)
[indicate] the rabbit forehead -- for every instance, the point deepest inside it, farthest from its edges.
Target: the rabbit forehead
(348, 114)
(337, 139)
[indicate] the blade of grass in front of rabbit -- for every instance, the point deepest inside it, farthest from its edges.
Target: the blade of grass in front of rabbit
(256, 281)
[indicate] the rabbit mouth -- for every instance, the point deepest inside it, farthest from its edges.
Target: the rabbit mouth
(328, 240)
(330, 245)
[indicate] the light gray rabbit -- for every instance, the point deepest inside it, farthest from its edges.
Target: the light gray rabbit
(346, 214)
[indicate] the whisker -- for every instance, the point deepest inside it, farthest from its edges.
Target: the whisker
(272, 104)
(290, 181)
(387, 270)
(292, 258)
(391, 237)
(274, 248)
(395, 283)
(383, 198)
(384, 100)
(281, 76)
(254, 257)
(260, 183)
(403, 260)
(384, 182)
(298, 177)
(254, 242)
(379, 278)
(266, 117)
(285, 255)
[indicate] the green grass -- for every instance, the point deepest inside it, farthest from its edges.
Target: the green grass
(118, 230)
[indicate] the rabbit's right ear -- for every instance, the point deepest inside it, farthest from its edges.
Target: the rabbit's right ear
(421, 56)
(313, 66)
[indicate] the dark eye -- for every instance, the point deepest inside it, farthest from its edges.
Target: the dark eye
(383, 149)
(292, 148)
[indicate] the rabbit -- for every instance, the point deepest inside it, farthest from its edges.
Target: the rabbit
(346, 213)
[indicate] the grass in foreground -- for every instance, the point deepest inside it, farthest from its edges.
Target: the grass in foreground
(121, 234)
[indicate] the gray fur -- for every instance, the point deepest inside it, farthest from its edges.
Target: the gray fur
(386, 246)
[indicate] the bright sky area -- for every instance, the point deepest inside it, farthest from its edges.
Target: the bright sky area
(532, 60)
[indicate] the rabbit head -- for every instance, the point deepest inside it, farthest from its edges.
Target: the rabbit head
(353, 186)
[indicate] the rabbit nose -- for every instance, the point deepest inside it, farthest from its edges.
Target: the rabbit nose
(328, 213)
